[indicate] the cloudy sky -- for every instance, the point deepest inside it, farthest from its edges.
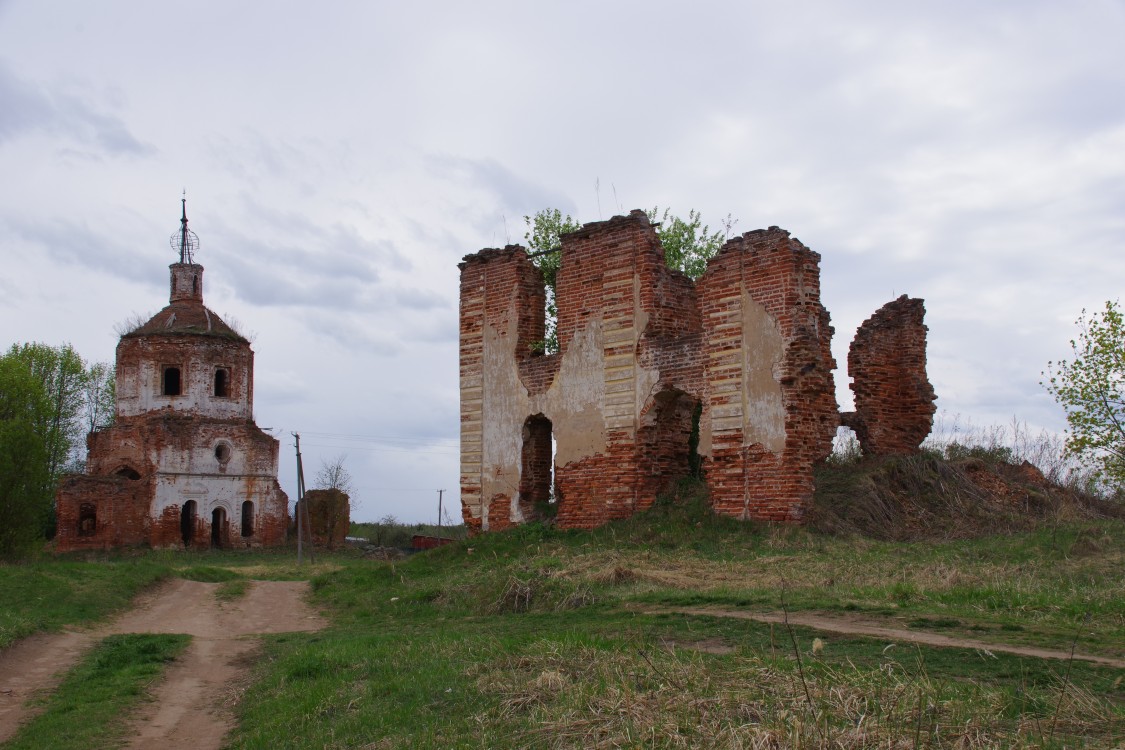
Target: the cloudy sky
(341, 157)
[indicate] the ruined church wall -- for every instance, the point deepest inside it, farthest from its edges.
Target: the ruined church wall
(622, 314)
(120, 512)
(893, 396)
(770, 411)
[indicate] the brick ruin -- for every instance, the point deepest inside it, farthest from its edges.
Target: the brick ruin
(645, 352)
(184, 464)
(329, 516)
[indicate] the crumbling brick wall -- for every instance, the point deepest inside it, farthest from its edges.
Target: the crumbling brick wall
(329, 516)
(643, 353)
(893, 397)
(770, 412)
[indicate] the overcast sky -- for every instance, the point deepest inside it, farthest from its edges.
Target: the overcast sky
(340, 158)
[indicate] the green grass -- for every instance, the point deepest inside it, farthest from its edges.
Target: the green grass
(542, 638)
(48, 594)
(532, 638)
(231, 590)
(86, 710)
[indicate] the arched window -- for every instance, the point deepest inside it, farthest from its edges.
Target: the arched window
(129, 473)
(218, 528)
(248, 518)
(171, 385)
(87, 519)
(187, 522)
(222, 383)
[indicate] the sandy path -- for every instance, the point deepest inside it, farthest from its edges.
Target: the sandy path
(192, 706)
(858, 626)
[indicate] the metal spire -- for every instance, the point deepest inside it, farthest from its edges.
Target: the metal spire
(185, 240)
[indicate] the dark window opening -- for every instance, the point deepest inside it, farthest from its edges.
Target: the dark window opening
(218, 527)
(248, 518)
(129, 473)
(87, 519)
(537, 467)
(187, 522)
(195, 286)
(171, 381)
(222, 383)
(222, 453)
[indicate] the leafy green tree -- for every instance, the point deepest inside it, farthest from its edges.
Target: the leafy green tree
(544, 230)
(688, 245)
(1091, 388)
(100, 396)
(63, 376)
(26, 488)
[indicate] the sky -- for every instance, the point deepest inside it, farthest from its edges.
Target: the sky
(340, 158)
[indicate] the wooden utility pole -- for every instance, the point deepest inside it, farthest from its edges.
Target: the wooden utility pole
(439, 492)
(302, 507)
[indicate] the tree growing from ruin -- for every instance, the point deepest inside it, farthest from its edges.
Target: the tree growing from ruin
(688, 245)
(1091, 388)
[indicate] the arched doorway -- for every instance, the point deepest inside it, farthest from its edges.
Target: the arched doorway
(537, 468)
(218, 527)
(187, 522)
(248, 518)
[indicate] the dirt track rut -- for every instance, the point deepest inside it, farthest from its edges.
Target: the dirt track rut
(192, 706)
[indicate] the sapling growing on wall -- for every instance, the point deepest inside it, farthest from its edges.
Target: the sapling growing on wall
(688, 245)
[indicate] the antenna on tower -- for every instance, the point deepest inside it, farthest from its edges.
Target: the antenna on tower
(185, 241)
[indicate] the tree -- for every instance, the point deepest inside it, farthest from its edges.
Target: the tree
(100, 396)
(333, 475)
(1091, 388)
(63, 376)
(26, 490)
(543, 237)
(688, 245)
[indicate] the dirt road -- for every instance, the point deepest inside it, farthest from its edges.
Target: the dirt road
(192, 706)
(857, 626)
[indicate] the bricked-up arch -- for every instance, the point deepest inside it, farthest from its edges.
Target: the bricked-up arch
(87, 519)
(536, 467)
(129, 473)
(187, 522)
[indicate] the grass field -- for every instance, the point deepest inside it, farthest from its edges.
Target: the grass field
(544, 638)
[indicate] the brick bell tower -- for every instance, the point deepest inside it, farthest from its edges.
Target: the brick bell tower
(184, 464)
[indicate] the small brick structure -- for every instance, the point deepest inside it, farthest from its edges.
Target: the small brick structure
(329, 516)
(600, 428)
(184, 464)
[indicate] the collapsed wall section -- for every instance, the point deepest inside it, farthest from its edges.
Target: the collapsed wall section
(893, 397)
(770, 410)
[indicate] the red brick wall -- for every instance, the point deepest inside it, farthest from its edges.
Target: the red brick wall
(893, 396)
(750, 341)
(782, 276)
